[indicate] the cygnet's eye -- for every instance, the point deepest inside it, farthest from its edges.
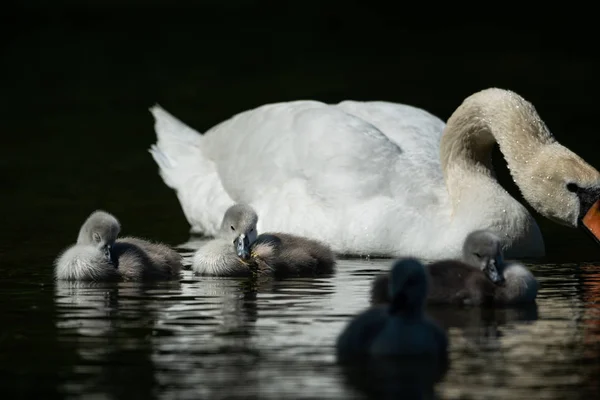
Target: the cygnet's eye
(97, 238)
(572, 187)
(477, 255)
(232, 228)
(252, 230)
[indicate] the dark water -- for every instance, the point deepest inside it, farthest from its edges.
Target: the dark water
(229, 338)
(76, 86)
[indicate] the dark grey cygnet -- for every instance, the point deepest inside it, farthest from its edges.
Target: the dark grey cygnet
(481, 277)
(398, 328)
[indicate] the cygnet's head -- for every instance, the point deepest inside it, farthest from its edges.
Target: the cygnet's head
(483, 249)
(101, 230)
(239, 226)
(408, 286)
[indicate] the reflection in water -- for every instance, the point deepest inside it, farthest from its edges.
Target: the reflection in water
(111, 327)
(591, 299)
(235, 338)
(591, 320)
(542, 359)
(394, 379)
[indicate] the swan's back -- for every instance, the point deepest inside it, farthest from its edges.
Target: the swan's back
(139, 260)
(289, 141)
(84, 263)
(417, 132)
(311, 167)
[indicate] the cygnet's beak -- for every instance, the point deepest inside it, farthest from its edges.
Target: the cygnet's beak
(591, 221)
(106, 249)
(242, 246)
(491, 270)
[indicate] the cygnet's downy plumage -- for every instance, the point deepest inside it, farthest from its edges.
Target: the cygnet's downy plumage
(238, 250)
(99, 256)
(481, 277)
(399, 328)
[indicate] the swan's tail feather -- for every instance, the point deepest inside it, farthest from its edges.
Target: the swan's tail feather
(177, 151)
(184, 168)
(164, 165)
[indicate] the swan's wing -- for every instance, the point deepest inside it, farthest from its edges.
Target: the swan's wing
(333, 155)
(417, 131)
(317, 170)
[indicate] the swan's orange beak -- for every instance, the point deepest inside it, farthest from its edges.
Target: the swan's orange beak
(591, 220)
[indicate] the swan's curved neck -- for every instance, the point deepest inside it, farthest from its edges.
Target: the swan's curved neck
(483, 119)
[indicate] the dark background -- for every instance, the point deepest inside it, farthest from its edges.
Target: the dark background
(79, 77)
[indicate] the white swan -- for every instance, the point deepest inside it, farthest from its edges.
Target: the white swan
(380, 178)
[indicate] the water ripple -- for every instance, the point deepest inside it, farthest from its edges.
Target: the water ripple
(208, 337)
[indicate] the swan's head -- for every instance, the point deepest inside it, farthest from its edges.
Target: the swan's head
(100, 229)
(483, 249)
(558, 183)
(408, 285)
(563, 188)
(239, 226)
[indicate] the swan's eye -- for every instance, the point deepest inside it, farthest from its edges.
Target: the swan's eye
(232, 228)
(572, 187)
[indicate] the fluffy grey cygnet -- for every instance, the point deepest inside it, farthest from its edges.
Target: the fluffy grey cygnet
(398, 328)
(238, 250)
(481, 277)
(99, 256)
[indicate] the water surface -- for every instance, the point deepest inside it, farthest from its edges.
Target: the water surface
(232, 338)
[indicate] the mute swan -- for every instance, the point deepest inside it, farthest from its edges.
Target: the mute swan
(99, 256)
(238, 251)
(481, 278)
(378, 178)
(397, 329)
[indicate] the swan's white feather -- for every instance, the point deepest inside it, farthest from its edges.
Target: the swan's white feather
(363, 177)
